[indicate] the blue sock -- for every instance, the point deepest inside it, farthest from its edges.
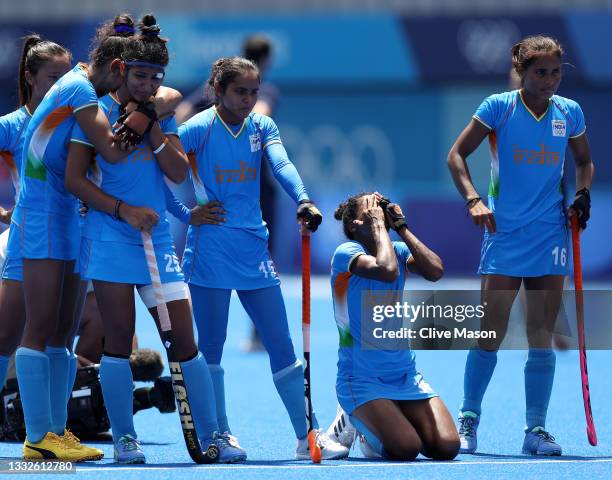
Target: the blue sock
(32, 369)
(201, 395)
(59, 362)
(216, 375)
(539, 376)
(479, 369)
(72, 370)
(289, 383)
(117, 386)
(4, 361)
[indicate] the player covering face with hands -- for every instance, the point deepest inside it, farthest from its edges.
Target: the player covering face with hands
(382, 396)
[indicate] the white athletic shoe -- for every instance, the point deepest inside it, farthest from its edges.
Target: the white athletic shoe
(342, 430)
(330, 449)
(468, 432)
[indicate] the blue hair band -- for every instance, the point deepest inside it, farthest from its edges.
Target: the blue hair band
(124, 29)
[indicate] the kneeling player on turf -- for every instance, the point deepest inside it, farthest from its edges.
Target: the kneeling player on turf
(395, 412)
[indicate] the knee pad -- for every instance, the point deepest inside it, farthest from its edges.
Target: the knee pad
(172, 291)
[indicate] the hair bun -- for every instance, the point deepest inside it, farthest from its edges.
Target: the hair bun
(148, 26)
(340, 211)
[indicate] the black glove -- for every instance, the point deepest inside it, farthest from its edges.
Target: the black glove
(397, 220)
(582, 206)
(123, 114)
(134, 125)
(309, 214)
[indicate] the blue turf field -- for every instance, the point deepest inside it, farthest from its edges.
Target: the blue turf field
(259, 420)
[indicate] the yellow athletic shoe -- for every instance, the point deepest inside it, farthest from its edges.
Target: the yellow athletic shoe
(89, 453)
(51, 447)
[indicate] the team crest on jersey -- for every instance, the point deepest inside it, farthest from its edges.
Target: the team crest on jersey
(255, 140)
(558, 128)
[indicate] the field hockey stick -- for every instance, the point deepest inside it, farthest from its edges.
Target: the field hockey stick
(178, 383)
(584, 373)
(313, 448)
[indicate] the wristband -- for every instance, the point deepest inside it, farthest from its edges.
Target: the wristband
(584, 191)
(117, 207)
(472, 201)
(161, 147)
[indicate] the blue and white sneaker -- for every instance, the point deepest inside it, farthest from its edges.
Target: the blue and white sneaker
(342, 430)
(468, 428)
(540, 442)
(127, 450)
(229, 449)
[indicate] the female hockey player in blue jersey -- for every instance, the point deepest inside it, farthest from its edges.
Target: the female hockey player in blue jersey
(46, 241)
(42, 64)
(525, 240)
(227, 144)
(394, 410)
(112, 253)
(48, 237)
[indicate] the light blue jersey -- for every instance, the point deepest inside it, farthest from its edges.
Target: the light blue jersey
(137, 180)
(226, 167)
(226, 164)
(347, 289)
(45, 147)
(527, 157)
(12, 129)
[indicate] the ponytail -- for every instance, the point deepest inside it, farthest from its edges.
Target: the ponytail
(35, 52)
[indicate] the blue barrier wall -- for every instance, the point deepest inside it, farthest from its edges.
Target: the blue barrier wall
(375, 102)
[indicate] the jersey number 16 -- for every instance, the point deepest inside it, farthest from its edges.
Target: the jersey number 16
(559, 255)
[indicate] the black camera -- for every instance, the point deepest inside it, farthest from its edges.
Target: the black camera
(87, 415)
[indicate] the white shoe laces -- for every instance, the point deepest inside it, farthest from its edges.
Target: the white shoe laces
(323, 439)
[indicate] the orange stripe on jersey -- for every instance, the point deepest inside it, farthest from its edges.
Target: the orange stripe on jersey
(9, 159)
(341, 313)
(341, 285)
(493, 143)
(56, 117)
(193, 164)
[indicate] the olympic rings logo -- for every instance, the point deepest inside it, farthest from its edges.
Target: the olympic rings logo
(328, 155)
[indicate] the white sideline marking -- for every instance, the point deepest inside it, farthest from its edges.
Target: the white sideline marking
(352, 465)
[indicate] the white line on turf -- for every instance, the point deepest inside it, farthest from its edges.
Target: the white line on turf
(351, 465)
